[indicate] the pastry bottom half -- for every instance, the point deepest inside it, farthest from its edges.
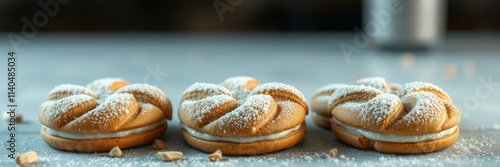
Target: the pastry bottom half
(252, 148)
(394, 147)
(104, 144)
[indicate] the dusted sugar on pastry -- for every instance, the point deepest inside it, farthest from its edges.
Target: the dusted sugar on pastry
(104, 114)
(319, 102)
(418, 118)
(242, 117)
(379, 83)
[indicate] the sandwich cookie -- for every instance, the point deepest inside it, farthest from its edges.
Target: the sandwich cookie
(242, 117)
(417, 118)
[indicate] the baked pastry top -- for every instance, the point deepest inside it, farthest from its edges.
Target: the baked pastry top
(240, 106)
(416, 108)
(104, 105)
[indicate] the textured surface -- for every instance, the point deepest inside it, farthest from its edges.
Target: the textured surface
(463, 67)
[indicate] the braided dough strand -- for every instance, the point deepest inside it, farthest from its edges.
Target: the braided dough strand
(105, 105)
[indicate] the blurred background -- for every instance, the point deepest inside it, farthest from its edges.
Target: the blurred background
(307, 44)
(249, 15)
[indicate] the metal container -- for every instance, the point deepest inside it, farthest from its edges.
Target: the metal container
(404, 24)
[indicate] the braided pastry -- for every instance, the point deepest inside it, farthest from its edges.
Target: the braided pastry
(241, 117)
(106, 113)
(319, 102)
(418, 118)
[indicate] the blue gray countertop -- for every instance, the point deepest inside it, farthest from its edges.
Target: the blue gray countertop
(466, 66)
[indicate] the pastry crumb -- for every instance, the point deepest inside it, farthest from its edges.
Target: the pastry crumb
(159, 144)
(169, 155)
(333, 152)
(115, 152)
(216, 156)
(27, 158)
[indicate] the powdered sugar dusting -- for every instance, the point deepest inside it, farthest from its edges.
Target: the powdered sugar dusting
(101, 86)
(156, 93)
(475, 146)
(237, 87)
(289, 106)
(197, 109)
(371, 104)
(114, 100)
(377, 109)
(117, 102)
(57, 108)
(248, 114)
(419, 106)
(113, 107)
(374, 82)
(250, 110)
(208, 88)
(424, 108)
(420, 86)
(279, 86)
(145, 108)
(70, 89)
(361, 94)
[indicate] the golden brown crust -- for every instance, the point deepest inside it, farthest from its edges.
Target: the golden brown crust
(105, 144)
(393, 147)
(147, 113)
(252, 148)
(107, 105)
(282, 92)
(105, 118)
(149, 94)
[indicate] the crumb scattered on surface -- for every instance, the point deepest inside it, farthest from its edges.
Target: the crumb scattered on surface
(115, 152)
(333, 152)
(216, 156)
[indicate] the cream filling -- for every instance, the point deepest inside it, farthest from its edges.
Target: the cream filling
(242, 139)
(398, 138)
(320, 117)
(83, 136)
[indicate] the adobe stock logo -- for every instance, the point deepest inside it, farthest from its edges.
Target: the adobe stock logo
(482, 92)
(362, 39)
(221, 7)
(29, 30)
(156, 74)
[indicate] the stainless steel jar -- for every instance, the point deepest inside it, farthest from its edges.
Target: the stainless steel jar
(404, 24)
